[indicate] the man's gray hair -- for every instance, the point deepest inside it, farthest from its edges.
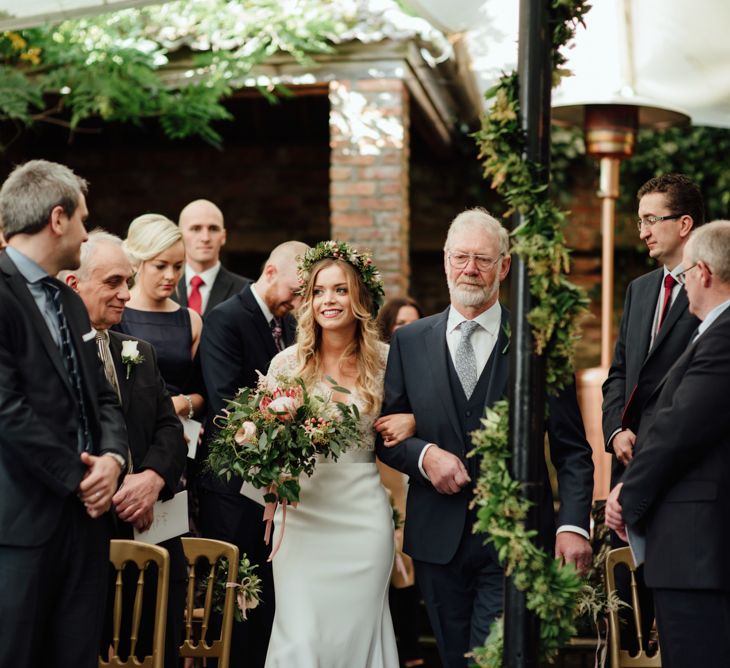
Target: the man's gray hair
(478, 218)
(32, 191)
(96, 236)
(711, 244)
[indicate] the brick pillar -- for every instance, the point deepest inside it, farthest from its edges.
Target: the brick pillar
(369, 159)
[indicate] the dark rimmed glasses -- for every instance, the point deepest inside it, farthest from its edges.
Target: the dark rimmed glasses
(483, 262)
(651, 220)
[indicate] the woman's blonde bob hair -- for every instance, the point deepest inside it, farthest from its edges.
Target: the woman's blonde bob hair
(365, 347)
(148, 236)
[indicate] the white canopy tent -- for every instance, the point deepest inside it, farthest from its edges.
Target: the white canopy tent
(672, 54)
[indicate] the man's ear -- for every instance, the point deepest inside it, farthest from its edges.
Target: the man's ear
(57, 220)
(686, 226)
(73, 282)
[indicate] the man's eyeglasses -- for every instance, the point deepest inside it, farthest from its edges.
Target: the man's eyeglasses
(650, 220)
(483, 262)
(682, 275)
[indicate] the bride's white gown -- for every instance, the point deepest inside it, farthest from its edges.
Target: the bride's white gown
(332, 571)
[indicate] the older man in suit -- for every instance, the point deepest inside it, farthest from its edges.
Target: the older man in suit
(446, 369)
(675, 491)
(240, 338)
(205, 282)
(63, 443)
(655, 330)
(156, 440)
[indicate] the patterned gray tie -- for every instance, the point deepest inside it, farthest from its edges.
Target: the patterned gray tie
(465, 361)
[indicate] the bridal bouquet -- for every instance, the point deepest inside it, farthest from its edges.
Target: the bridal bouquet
(271, 434)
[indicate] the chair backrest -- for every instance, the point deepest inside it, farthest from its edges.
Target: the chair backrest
(197, 643)
(121, 553)
(621, 658)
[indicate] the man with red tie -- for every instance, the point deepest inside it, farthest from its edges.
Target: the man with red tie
(656, 325)
(205, 283)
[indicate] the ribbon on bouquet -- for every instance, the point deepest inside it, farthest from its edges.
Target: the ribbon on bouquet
(269, 511)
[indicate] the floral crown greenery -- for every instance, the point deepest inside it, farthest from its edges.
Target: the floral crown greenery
(340, 250)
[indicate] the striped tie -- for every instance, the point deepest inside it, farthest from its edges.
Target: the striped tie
(70, 362)
(105, 355)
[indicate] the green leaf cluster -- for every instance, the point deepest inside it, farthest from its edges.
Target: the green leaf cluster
(120, 66)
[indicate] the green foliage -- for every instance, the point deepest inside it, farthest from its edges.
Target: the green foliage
(552, 590)
(121, 66)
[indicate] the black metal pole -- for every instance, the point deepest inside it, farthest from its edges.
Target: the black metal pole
(527, 371)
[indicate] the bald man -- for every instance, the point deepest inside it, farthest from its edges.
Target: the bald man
(205, 283)
(240, 337)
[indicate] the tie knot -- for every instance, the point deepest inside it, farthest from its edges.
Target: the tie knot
(669, 281)
(196, 281)
(102, 335)
(468, 327)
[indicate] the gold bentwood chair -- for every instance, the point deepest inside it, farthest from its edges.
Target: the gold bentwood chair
(121, 553)
(621, 658)
(197, 620)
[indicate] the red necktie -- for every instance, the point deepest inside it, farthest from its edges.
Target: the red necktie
(669, 283)
(195, 299)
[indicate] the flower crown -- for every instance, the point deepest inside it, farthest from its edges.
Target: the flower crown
(340, 250)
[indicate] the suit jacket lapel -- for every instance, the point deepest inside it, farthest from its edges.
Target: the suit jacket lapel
(20, 289)
(436, 357)
(647, 306)
(500, 367)
(263, 330)
(219, 289)
(681, 304)
(125, 386)
(182, 292)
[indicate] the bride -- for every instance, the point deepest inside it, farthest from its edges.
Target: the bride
(332, 571)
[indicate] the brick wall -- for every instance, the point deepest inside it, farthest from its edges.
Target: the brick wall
(369, 144)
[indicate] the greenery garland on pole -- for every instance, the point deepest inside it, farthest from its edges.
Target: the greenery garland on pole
(552, 590)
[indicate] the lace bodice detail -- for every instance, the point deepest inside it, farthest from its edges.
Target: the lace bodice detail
(285, 364)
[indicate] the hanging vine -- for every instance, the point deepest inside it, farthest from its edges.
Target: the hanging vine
(552, 591)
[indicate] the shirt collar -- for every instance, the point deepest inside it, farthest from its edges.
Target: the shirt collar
(675, 272)
(712, 316)
(208, 276)
(489, 320)
(262, 305)
(29, 270)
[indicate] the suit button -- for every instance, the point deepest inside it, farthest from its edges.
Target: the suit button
(468, 414)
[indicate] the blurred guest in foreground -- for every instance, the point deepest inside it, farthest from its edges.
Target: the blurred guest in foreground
(63, 444)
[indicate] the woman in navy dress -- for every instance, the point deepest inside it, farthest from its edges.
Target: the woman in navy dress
(154, 245)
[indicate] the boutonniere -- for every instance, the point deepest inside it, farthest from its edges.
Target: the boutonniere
(508, 333)
(131, 355)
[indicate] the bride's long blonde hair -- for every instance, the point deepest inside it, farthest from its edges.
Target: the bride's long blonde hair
(364, 347)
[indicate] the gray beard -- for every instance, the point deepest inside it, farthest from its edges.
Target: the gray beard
(472, 298)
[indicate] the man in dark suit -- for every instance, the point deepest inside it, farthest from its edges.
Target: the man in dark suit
(675, 491)
(62, 436)
(446, 369)
(655, 330)
(240, 337)
(156, 441)
(205, 282)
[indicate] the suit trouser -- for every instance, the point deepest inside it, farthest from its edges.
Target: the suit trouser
(462, 597)
(239, 520)
(52, 602)
(694, 627)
